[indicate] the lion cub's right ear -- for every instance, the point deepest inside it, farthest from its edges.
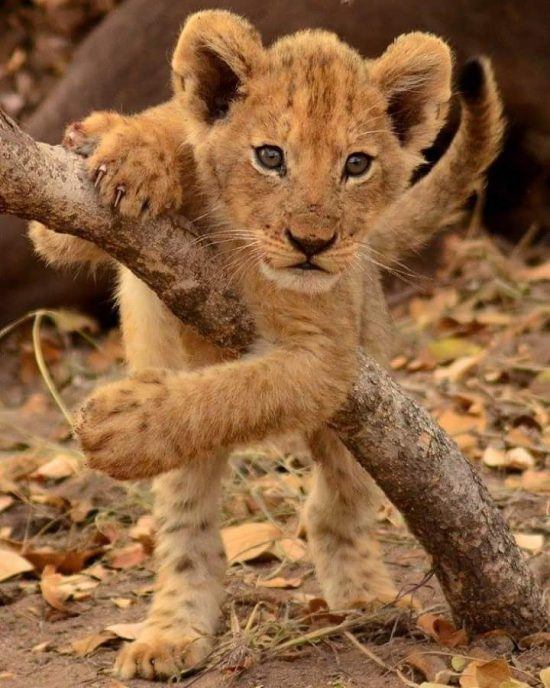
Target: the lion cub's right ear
(216, 53)
(414, 73)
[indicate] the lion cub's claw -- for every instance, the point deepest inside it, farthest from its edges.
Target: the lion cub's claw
(159, 656)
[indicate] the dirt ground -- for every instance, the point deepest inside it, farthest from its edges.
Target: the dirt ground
(471, 344)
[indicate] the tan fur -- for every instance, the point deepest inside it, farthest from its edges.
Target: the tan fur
(185, 405)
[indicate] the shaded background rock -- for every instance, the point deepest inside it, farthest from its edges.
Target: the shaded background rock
(124, 64)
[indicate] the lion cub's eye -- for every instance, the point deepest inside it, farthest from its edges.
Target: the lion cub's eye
(357, 164)
(270, 157)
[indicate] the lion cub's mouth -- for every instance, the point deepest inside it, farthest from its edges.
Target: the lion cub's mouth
(308, 265)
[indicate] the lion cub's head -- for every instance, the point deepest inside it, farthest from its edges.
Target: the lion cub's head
(301, 145)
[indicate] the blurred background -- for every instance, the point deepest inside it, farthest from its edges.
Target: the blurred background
(472, 345)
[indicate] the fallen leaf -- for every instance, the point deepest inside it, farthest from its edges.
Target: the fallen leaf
(493, 457)
(458, 369)
(458, 663)
(399, 362)
(519, 437)
(42, 647)
(293, 549)
(128, 557)
(68, 562)
(122, 602)
(482, 674)
(463, 428)
(538, 273)
(85, 646)
(5, 502)
(249, 541)
(432, 667)
(144, 531)
(129, 631)
(280, 582)
(441, 630)
(97, 571)
(452, 348)
(533, 542)
(58, 589)
(518, 459)
(60, 467)
(532, 481)
(52, 591)
(72, 321)
(545, 677)
(12, 564)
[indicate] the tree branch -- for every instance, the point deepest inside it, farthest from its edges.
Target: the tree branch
(446, 505)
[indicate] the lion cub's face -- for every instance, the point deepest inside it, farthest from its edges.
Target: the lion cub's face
(299, 146)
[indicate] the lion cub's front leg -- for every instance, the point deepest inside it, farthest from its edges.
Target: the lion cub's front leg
(134, 161)
(190, 562)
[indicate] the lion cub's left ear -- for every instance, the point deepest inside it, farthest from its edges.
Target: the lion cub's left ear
(414, 73)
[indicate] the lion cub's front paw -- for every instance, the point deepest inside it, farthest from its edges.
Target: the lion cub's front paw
(161, 655)
(133, 164)
(123, 428)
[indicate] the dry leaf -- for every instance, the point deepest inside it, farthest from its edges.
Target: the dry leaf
(280, 582)
(480, 674)
(249, 541)
(293, 549)
(458, 369)
(60, 467)
(71, 321)
(51, 588)
(129, 631)
(432, 667)
(85, 646)
(128, 557)
(144, 531)
(520, 459)
(442, 630)
(538, 273)
(5, 502)
(519, 437)
(515, 459)
(533, 542)
(452, 348)
(12, 564)
(545, 677)
(122, 602)
(69, 562)
(532, 481)
(57, 589)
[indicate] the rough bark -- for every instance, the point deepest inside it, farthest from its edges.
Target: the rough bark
(446, 505)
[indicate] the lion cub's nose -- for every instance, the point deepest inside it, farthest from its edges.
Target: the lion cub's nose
(310, 246)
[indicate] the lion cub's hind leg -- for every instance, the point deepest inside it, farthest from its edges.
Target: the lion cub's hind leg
(340, 520)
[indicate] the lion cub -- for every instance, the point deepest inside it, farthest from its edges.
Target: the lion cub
(285, 157)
